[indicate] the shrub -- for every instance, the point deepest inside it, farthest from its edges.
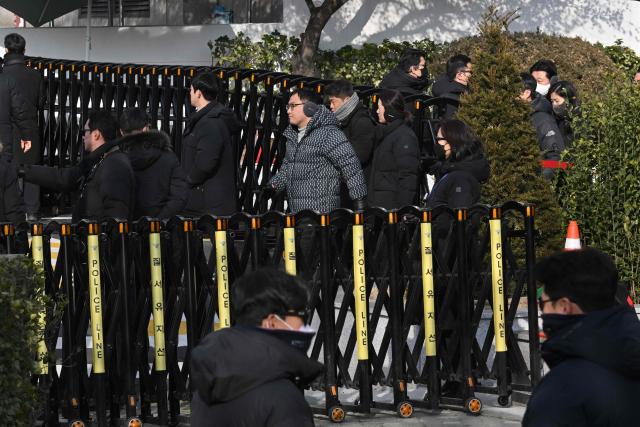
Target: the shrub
(579, 61)
(362, 66)
(21, 300)
(602, 190)
(624, 57)
(503, 124)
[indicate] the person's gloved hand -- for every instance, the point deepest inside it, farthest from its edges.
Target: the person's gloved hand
(359, 204)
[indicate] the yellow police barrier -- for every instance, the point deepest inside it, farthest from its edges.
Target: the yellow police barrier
(222, 269)
(155, 255)
(497, 280)
(290, 246)
(428, 291)
(37, 254)
(360, 288)
(95, 298)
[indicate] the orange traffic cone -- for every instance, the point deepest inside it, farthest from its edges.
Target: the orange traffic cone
(573, 237)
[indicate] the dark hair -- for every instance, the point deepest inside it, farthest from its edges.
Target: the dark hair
(546, 65)
(207, 83)
(339, 89)
(457, 63)
(464, 143)
(528, 82)
(104, 121)
(133, 119)
(15, 43)
(588, 277)
(307, 95)
(393, 102)
(410, 58)
(567, 90)
(267, 291)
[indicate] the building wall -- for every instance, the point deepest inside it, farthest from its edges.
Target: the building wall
(357, 22)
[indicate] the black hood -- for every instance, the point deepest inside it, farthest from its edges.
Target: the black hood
(540, 104)
(217, 111)
(144, 148)
(478, 167)
(232, 361)
(399, 80)
(609, 338)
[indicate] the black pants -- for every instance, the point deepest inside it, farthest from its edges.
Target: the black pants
(31, 195)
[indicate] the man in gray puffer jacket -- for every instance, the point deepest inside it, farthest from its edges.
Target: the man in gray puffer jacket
(318, 155)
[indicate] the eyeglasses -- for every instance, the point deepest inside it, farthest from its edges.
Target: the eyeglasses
(292, 106)
(542, 302)
(467, 71)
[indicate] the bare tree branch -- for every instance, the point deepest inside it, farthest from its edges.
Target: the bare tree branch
(310, 5)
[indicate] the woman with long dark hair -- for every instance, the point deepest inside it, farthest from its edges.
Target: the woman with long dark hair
(566, 108)
(396, 164)
(462, 167)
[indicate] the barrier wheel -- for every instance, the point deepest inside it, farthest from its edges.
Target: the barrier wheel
(77, 423)
(503, 400)
(336, 414)
(404, 409)
(473, 405)
(134, 422)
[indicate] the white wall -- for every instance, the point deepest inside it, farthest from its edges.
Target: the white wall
(357, 22)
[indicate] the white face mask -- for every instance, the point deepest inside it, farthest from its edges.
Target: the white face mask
(542, 89)
(306, 329)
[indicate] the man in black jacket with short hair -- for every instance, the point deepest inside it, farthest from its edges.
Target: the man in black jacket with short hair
(208, 155)
(549, 136)
(410, 76)
(29, 83)
(249, 374)
(453, 84)
(592, 346)
(104, 177)
(161, 186)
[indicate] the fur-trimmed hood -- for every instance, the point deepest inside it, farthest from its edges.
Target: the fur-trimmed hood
(145, 148)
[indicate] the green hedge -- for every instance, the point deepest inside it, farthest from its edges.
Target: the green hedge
(624, 57)
(602, 190)
(21, 299)
(365, 65)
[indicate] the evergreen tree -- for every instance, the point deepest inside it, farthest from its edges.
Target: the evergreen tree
(502, 123)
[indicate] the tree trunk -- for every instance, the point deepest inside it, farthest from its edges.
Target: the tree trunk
(304, 60)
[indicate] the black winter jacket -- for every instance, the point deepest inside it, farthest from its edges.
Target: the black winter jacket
(595, 373)
(450, 91)
(245, 377)
(396, 167)
(208, 160)
(14, 111)
(398, 79)
(161, 186)
(312, 169)
(104, 179)
(549, 137)
(29, 83)
(11, 206)
(360, 130)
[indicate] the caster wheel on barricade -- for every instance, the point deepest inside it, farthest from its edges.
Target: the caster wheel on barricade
(134, 422)
(77, 423)
(504, 401)
(473, 405)
(404, 409)
(336, 414)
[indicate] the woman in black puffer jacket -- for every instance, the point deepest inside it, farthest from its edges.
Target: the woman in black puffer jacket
(396, 164)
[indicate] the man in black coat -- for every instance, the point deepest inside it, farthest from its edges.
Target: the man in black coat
(592, 345)
(161, 186)
(104, 177)
(356, 123)
(549, 136)
(29, 83)
(249, 374)
(453, 84)
(410, 76)
(208, 155)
